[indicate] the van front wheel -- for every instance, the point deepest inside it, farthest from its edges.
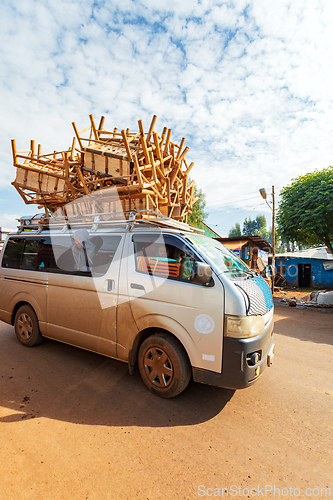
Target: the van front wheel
(26, 326)
(163, 365)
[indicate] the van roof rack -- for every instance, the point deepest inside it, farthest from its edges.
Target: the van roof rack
(66, 222)
(32, 222)
(163, 220)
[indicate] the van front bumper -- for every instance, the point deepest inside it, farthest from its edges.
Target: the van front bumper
(240, 364)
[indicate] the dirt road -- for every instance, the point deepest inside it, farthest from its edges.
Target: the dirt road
(75, 425)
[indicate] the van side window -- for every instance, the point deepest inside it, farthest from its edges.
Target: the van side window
(37, 254)
(54, 254)
(100, 256)
(104, 252)
(164, 256)
(13, 253)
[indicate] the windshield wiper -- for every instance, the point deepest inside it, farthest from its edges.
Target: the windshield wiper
(251, 274)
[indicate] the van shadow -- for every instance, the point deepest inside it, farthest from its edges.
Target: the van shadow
(61, 382)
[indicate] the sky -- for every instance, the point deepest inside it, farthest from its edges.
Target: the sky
(247, 83)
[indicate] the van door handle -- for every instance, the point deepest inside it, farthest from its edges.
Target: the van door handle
(136, 286)
(109, 285)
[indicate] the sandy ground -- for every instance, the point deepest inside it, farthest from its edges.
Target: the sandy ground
(287, 293)
(75, 425)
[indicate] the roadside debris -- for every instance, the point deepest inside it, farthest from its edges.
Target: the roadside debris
(316, 299)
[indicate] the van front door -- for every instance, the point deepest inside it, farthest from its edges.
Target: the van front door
(82, 304)
(162, 296)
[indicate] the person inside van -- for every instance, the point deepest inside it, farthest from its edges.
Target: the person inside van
(162, 253)
(157, 259)
(44, 259)
(83, 250)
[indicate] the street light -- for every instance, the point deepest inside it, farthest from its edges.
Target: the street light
(263, 193)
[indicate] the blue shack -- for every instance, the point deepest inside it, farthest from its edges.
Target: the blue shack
(311, 268)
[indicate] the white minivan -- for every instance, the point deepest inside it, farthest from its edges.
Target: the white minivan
(150, 292)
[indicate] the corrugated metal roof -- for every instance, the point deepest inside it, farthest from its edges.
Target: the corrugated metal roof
(309, 253)
(235, 245)
(209, 231)
(242, 240)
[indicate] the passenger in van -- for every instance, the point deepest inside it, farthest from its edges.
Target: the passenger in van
(83, 250)
(162, 253)
(44, 258)
(157, 259)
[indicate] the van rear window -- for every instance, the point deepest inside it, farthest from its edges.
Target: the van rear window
(13, 253)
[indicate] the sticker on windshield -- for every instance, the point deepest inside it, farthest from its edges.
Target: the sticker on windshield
(204, 324)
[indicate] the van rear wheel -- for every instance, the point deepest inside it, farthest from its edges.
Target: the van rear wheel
(26, 326)
(164, 366)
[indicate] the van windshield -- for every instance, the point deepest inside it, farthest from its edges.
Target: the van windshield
(225, 260)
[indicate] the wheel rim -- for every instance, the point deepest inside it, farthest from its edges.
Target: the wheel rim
(24, 326)
(158, 367)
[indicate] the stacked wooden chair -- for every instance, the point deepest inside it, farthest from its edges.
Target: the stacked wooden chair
(146, 171)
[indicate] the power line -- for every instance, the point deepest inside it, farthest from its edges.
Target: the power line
(232, 200)
(238, 199)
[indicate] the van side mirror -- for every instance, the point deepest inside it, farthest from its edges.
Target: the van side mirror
(201, 274)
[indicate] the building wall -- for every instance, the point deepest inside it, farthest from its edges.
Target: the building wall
(4, 232)
(3, 235)
(320, 278)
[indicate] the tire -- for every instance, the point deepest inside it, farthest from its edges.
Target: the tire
(164, 366)
(26, 326)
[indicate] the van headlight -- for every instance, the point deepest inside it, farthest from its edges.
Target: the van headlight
(242, 327)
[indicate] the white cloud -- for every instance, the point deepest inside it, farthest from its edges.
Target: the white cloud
(247, 83)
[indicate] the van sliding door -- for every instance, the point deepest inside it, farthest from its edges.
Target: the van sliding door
(82, 305)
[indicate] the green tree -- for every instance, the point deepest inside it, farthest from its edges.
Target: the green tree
(305, 213)
(261, 221)
(198, 209)
(235, 231)
(255, 227)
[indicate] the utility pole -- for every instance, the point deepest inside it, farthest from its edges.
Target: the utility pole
(264, 196)
(273, 238)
